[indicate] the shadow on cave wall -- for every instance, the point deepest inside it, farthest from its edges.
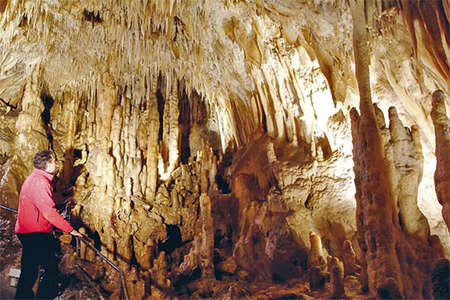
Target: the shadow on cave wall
(64, 184)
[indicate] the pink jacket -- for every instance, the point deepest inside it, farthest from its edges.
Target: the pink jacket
(37, 212)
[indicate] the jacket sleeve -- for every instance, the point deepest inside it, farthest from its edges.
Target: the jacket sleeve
(43, 195)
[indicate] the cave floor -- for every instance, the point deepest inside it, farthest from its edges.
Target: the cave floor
(77, 286)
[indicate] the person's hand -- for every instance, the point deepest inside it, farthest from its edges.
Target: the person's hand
(75, 233)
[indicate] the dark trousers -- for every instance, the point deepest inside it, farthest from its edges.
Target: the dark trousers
(38, 249)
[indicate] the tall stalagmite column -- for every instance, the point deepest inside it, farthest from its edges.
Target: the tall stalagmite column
(407, 169)
(152, 141)
(207, 237)
(442, 174)
(170, 142)
(375, 203)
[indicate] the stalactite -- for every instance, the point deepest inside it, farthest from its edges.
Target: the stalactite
(432, 32)
(266, 109)
(116, 128)
(31, 134)
(64, 145)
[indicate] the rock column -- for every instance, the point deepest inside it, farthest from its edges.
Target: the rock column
(442, 133)
(375, 203)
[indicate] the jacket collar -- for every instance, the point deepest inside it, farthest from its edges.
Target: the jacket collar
(43, 173)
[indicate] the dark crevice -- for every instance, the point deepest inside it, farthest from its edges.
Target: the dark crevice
(133, 259)
(161, 102)
(48, 102)
(114, 250)
(92, 16)
(24, 21)
(7, 104)
(308, 202)
(3, 4)
(173, 239)
(97, 241)
(325, 146)
(185, 279)
(440, 279)
(216, 260)
(221, 177)
(77, 154)
(389, 291)
(264, 122)
(185, 126)
(178, 27)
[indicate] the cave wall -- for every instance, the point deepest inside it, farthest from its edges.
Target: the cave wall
(167, 117)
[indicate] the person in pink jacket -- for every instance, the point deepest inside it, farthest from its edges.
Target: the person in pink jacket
(36, 218)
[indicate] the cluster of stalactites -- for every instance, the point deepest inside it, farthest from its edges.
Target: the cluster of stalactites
(427, 23)
(252, 89)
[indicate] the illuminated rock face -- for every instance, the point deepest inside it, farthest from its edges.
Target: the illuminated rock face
(206, 141)
(441, 176)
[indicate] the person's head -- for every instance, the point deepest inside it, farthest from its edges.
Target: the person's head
(45, 160)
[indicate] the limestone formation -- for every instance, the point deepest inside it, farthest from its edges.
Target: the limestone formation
(404, 213)
(210, 149)
(375, 204)
(337, 278)
(349, 259)
(316, 257)
(442, 174)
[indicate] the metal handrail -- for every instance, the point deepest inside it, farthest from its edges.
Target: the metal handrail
(9, 209)
(98, 253)
(105, 259)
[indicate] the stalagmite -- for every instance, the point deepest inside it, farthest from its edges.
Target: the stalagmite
(207, 243)
(317, 263)
(374, 217)
(160, 285)
(152, 143)
(170, 147)
(135, 285)
(442, 133)
(411, 232)
(375, 203)
(407, 163)
(336, 278)
(349, 259)
(316, 257)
